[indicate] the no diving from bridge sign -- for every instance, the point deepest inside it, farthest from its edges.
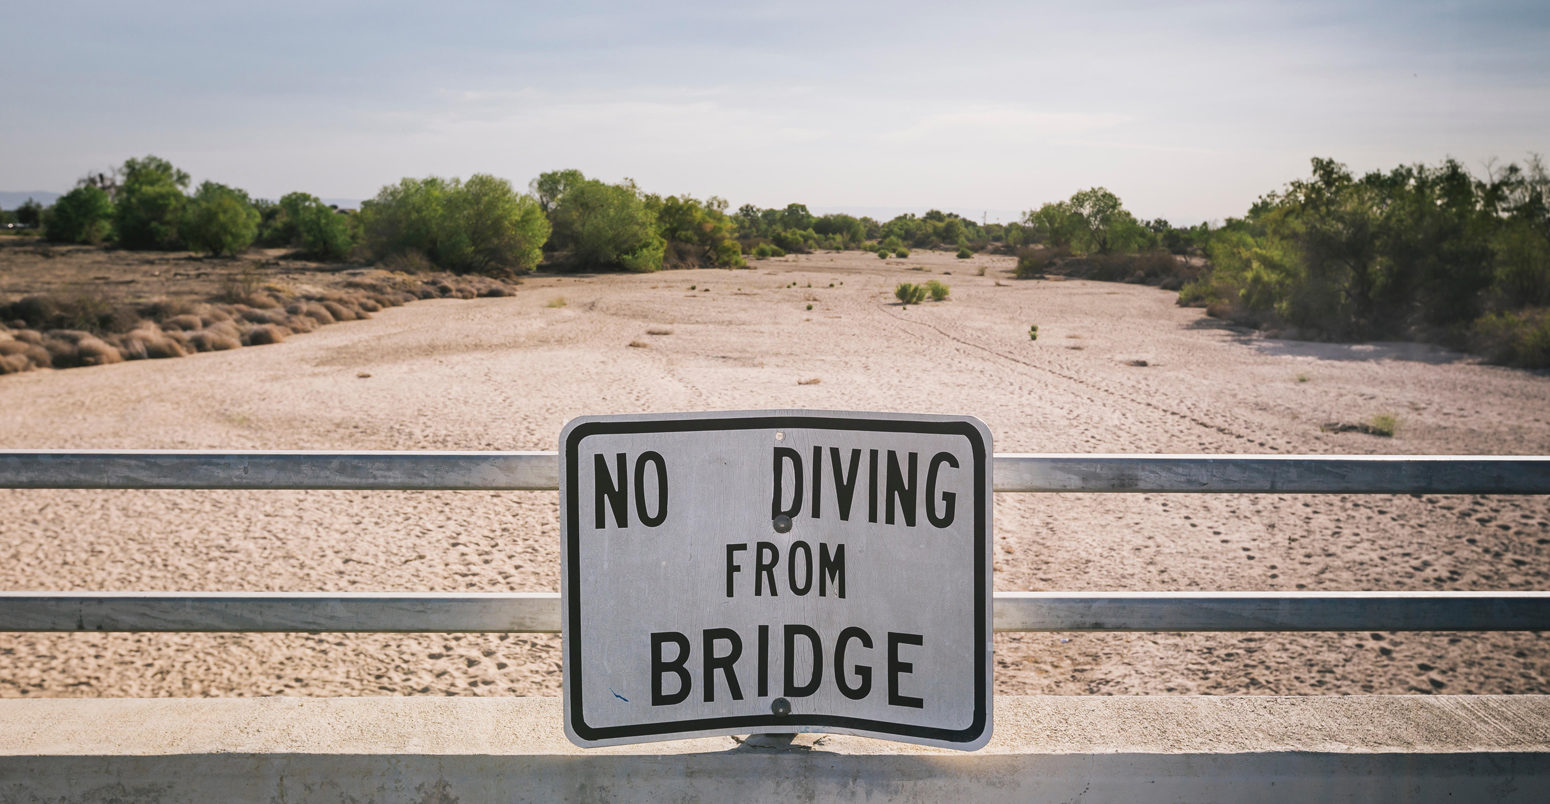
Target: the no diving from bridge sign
(776, 572)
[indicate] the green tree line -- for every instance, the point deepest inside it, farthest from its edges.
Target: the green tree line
(1421, 252)
(1418, 252)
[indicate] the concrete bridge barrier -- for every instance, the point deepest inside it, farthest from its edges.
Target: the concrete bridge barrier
(1197, 749)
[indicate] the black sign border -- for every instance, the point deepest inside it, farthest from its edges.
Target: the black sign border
(754, 723)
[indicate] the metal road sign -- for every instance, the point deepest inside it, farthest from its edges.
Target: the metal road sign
(776, 572)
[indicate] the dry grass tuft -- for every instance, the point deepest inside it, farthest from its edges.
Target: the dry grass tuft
(210, 340)
(188, 322)
(659, 332)
(810, 381)
(638, 344)
(263, 335)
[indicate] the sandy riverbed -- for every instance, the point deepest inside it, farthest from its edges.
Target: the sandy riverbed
(506, 373)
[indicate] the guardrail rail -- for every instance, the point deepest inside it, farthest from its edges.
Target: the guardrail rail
(540, 612)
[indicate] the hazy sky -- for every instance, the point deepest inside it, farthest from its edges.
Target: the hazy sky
(1188, 111)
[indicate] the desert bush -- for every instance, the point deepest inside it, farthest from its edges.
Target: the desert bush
(148, 342)
(938, 290)
(882, 254)
(263, 335)
(964, 253)
(305, 223)
(1383, 424)
(80, 312)
(149, 204)
(607, 226)
(1034, 263)
(1033, 332)
(478, 226)
(1520, 338)
(219, 220)
(908, 293)
(795, 241)
(901, 252)
(766, 250)
(83, 215)
(214, 340)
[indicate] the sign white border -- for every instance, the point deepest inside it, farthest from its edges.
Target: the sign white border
(571, 584)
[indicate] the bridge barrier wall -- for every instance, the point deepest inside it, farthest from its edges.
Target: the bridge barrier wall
(1199, 749)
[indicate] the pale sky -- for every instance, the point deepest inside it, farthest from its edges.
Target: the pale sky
(1188, 111)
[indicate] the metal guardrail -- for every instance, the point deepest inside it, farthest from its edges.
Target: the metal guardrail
(540, 612)
(539, 471)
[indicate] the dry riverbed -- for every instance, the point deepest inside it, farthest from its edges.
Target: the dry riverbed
(1115, 368)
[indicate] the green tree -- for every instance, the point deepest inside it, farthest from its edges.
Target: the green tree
(219, 220)
(607, 226)
(481, 226)
(1104, 225)
(83, 215)
(548, 187)
(318, 230)
(488, 227)
(702, 229)
(150, 203)
(30, 213)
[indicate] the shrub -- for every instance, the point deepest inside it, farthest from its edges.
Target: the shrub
(219, 220)
(1033, 263)
(607, 226)
(1033, 332)
(1382, 424)
(766, 250)
(318, 230)
(1519, 339)
(908, 293)
(149, 204)
(964, 253)
(882, 254)
(901, 252)
(83, 215)
(481, 226)
(937, 290)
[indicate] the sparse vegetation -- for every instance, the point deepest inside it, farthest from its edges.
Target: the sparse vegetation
(556, 302)
(1033, 332)
(908, 293)
(938, 290)
(1383, 424)
(964, 253)
(67, 331)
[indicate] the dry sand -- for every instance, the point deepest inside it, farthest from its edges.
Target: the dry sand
(507, 373)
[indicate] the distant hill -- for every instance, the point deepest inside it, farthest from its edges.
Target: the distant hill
(12, 200)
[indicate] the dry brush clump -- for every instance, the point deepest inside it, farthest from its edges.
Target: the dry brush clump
(43, 331)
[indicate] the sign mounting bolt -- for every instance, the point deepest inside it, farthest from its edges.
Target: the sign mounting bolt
(782, 524)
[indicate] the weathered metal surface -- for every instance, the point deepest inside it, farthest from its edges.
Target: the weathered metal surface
(540, 612)
(207, 469)
(1276, 474)
(458, 471)
(1273, 611)
(280, 612)
(777, 572)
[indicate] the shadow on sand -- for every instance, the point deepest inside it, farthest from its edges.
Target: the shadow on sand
(1344, 352)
